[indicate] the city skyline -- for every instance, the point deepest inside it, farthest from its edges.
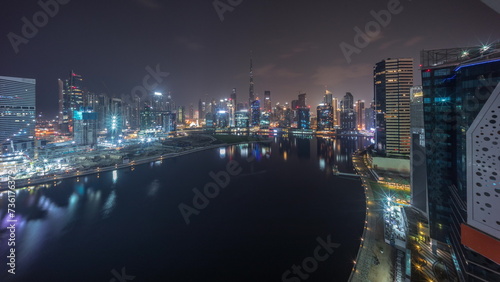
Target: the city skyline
(289, 57)
(241, 134)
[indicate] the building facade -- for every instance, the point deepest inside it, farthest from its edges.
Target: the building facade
(17, 108)
(418, 172)
(304, 118)
(393, 79)
(347, 115)
(460, 100)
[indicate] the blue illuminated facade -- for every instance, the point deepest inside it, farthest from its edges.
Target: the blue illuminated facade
(304, 118)
(456, 85)
(255, 109)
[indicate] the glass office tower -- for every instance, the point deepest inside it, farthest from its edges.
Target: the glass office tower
(17, 109)
(458, 93)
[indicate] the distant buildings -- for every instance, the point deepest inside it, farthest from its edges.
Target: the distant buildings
(267, 102)
(202, 111)
(461, 102)
(181, 114)
(265, 120)
(222, 118)
(17, 109)
(304, 118)
(336, 112)
(370, 118)
(242, 119)
(251, 94)
(147, 118)
(393, 79)
(255, 113)
(328, 98)
(71, 98)
(348, 116)
(114, 119)
(85, 125)
(324, 117)
(360, 114)
(301, 103)
(157, 121)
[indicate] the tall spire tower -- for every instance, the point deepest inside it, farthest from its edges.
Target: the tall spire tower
(251, 95)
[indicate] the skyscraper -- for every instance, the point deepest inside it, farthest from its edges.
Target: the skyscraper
(324, 117)
(393, 79)
(360, 114)
(348, 116)
(241, 119)
(336, 112)
(233, 97)
(17, 108)
(460, 109)
(370, 117)
(181, 115)
(114, 119)
(328, 98)
(255, 110)
(85, 124)
(302, 103)
(251, 95)
(191, 111)
(72, 101)
(202, 109)
(418, 177)
(267, 102)
(304, 118)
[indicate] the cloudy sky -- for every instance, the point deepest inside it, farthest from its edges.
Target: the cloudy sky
(295, 44)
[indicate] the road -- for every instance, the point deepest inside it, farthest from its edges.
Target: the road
(374, 261)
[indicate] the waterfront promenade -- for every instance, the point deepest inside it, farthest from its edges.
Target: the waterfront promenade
(374, 260)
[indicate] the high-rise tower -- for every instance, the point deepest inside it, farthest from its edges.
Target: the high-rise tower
(348, 116)
(17, 109)
(461, 102)
(72, 101)
(392, 80)
(267, 101)
(251, 95)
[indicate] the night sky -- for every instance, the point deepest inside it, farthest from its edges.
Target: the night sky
(295, 44)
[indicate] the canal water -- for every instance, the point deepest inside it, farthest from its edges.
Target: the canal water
(252, 212)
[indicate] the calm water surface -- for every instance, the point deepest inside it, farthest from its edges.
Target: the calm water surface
(267, 218)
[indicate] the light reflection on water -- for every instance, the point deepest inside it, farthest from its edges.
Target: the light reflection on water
(50, 215)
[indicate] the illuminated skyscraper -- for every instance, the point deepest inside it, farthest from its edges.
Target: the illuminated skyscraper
(233, 97)
(181, 115)
(251, 94)
(324, 117)
(267, 102)
(360, 114)
(461, 102)
(85, 123)
(393, 79)
(304, 118)
(328, 98)
(335, 112)
(72, 100)
(17, 108)
(241, 118)
(114, 119)
(347, 115)
(370, 117)
(255, 110)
